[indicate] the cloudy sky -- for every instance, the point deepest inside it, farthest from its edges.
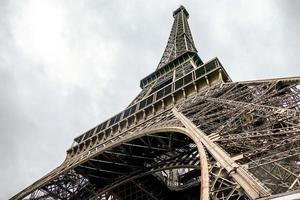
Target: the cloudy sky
(67, 65)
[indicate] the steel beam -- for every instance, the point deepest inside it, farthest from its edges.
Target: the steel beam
(252, 187)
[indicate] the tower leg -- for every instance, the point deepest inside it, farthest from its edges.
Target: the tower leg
(251, 186)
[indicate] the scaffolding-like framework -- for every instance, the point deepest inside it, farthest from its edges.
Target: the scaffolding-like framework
(191, 133)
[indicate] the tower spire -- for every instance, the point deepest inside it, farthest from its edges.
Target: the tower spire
(180, 39)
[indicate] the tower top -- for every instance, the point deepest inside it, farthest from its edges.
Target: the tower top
(178, 10)
(180, 40)
(180, 44)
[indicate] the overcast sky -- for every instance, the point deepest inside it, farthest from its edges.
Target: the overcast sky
(68, 65)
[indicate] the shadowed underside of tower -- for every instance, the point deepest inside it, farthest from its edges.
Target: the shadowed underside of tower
(191, 133)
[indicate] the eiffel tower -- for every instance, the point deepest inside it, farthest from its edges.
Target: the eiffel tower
(191, 133)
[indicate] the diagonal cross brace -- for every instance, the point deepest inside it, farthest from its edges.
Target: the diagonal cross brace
(253, 188)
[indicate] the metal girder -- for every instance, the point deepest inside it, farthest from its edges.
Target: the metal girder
(242, 137)
(252, 187)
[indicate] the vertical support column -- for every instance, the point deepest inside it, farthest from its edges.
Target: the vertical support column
(204, 190)
(184, 34)
(204, 195)
(183, 92)
(162, 104)
(250, 185)
(221, 76)
(207, 81)
(173, 99)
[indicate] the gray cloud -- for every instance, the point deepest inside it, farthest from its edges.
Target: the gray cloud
(66, 66)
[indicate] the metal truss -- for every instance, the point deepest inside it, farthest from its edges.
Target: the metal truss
(191, 133)
(180, 39)
(257, 131)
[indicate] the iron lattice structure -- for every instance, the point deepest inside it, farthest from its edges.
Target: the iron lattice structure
(191, 133)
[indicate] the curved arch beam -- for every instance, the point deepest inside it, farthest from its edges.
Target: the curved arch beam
(72, 163)
(204, 190)
(253, 188)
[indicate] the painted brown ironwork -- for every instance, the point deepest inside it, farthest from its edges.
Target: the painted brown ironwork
(191, 133)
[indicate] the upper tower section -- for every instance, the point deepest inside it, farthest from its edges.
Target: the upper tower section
(180, 74)
(180, 47)
(180, 40)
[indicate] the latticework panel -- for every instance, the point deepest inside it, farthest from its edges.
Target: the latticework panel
(190, 132)
(180, 39)
(257, 124)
